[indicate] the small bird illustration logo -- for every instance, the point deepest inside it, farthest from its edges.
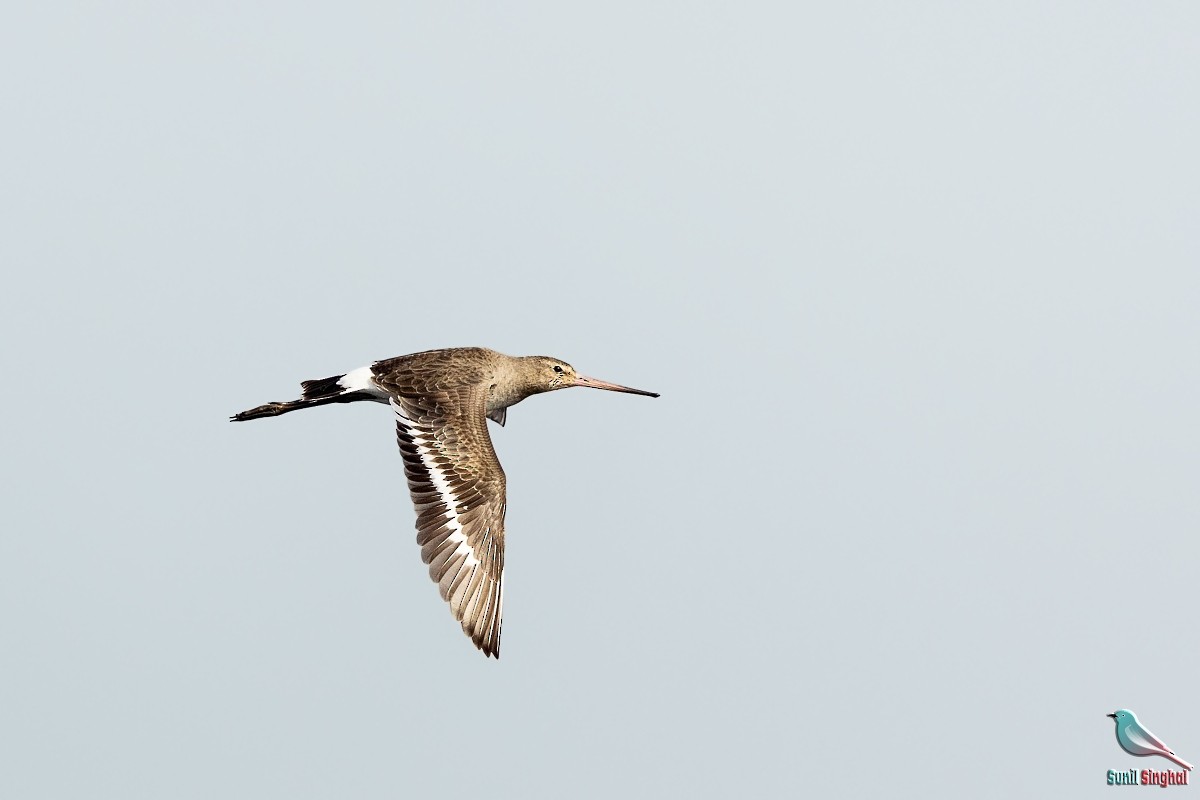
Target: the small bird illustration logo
(1137, 740)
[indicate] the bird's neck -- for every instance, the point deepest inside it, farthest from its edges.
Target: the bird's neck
(511, 383)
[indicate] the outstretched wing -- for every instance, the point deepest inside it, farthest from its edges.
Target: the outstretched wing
(457, 486)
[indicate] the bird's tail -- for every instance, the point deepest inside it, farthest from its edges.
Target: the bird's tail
(1177, 760)
(348, 388)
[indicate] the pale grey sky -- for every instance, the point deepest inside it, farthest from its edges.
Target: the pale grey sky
(918, 284)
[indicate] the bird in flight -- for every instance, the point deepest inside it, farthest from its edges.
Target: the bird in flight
(442, 400)
(1136, 739)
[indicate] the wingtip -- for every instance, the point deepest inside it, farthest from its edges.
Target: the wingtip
(489, 649)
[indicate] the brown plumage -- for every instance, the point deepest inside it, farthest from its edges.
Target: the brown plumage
(442, 400)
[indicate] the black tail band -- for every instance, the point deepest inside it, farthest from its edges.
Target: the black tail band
(275, 409)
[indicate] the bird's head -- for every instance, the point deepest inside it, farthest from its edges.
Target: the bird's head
(554, 373)
(1123, 715)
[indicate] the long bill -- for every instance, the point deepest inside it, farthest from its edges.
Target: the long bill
(583, 380)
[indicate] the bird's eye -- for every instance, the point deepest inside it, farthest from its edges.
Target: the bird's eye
(558, 369)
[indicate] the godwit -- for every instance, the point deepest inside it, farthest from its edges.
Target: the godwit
(442, 399)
